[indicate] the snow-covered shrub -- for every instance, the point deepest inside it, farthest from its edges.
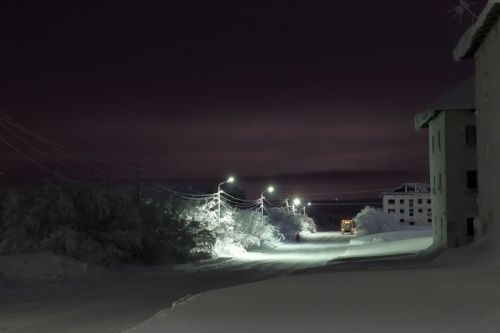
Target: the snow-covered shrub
(99, 225)
(169, 236)
(255, 231)
(371, 220)
(236, 230)
(290, 224)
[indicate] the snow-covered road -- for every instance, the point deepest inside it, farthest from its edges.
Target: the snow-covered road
(133, 294)
(118, 300)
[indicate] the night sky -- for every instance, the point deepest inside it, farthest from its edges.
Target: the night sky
(315, 96)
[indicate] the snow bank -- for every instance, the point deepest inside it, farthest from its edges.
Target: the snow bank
(391, 236)
(43, 266)
(453, 299)
(389, 243)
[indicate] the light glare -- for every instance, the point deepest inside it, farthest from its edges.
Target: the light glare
(296, 201)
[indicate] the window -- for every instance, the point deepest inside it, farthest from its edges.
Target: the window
(391, 211)
(401, 211)
(470, 226)
(429, 220)
(402, 220)
(472, 180)
(412, 222)
(429, 201)
(470, 136)
(411, 212)
(439, 140)
(402, 201)
(420, 210)
(391, 201)
(411, 202)
(420, 201)
(440, 184)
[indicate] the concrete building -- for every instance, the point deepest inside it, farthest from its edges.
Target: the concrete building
(481, 42)
(451, 122)
(410, 203)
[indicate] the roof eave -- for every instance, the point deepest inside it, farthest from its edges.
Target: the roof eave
(472, 39)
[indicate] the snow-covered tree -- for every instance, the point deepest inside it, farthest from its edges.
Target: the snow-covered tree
(371, 220)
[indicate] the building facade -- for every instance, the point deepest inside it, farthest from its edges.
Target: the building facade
(482, 43)
(409, 203)
(451, 121)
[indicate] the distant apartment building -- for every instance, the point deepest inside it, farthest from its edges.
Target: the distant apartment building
(482, 43)
(451, 121)
(409, 203)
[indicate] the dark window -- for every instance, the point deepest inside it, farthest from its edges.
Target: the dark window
(470, 136)
(439, 140)
(440, 184)
(429, 220)
(402, 201)
(391, 211)
(420, 201)
(429, 201)
(412, 222)
(401, 220)
(411, 212)
(402, 211)
(420, 210)
(472, 179)
(470, 226)
(391, 202)
(411, 202)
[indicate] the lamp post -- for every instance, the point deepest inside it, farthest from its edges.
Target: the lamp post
(296, 203)
(229, 180)
(304, 208)
(270, 189)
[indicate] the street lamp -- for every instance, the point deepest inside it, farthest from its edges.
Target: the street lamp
(229, 180)
(270, 189)
(296, 202)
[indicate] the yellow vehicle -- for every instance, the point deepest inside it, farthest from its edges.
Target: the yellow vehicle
(347, 226)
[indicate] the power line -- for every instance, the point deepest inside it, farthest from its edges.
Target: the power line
(42, 152)
(34, 161)
(71, 153)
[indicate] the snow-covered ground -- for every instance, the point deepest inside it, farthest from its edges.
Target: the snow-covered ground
(425, 300)
(442, 296)
(44, 292)
(390, 243)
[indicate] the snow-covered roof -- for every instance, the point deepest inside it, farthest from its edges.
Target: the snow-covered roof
(411, 188)
(475, 35)
(461, 97)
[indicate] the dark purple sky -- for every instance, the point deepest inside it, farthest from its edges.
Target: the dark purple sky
(200, 89)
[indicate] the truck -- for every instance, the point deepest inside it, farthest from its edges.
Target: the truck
(347, 226)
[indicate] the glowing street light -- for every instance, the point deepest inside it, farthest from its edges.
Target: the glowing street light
(296, 202)
(270, 189)
(229, 180)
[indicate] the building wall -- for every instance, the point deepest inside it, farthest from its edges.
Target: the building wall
(437, 165)
(409, 208)
(461, 201)
(488, 124)
(454, 206)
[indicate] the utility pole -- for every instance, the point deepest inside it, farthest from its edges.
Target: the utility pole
(219, 199)
(137, 184)
(262, 208)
